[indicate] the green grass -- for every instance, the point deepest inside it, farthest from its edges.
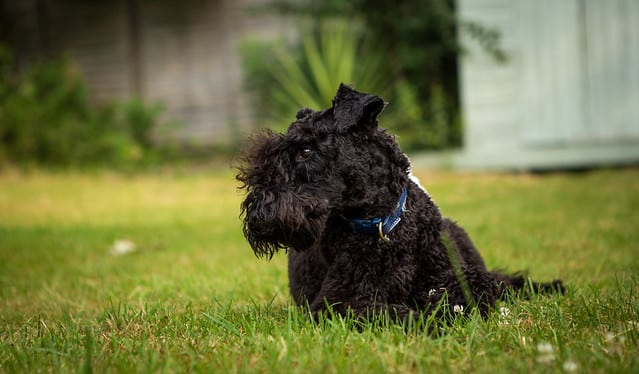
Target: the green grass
(192, 297)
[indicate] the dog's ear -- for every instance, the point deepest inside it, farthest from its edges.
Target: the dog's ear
(356, 110)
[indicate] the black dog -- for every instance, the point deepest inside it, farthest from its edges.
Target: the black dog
(362, 236)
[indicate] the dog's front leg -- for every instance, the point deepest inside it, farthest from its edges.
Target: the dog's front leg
(306, 272)
(365, 311)
(347, 291)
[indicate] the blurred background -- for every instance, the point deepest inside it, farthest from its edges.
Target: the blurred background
(496, 84)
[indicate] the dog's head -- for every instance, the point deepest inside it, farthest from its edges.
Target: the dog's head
(330, 163)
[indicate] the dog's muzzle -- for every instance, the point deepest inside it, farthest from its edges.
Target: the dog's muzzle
(282, 220)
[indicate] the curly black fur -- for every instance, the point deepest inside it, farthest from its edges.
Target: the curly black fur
(302, 187)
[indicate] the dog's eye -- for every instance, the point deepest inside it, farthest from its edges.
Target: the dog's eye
(306, 153)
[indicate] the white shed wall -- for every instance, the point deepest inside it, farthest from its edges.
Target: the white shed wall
(568, 94)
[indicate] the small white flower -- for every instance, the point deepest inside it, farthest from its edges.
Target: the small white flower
(122, 247)
(432, 292)
(458, 309)
(544, 348)
(570, 366)
(504, 312)
(546, 353)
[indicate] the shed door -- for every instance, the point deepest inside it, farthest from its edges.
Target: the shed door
(581, 71)
(611, 53)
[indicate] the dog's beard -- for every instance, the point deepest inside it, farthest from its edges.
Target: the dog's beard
(279, 221)
(266, 242)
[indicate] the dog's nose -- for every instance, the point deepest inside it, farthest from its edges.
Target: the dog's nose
(256, 223)
(254, 216)
(261, 216)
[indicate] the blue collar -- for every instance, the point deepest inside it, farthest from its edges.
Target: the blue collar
(381, 225)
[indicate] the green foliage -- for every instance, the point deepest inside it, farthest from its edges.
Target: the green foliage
(286, 77)
(193, 298)
(46, 119)
(414, 45)
(434, 125)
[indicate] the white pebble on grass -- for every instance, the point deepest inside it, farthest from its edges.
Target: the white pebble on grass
(122, 247)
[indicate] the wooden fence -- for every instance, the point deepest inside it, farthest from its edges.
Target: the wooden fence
(183, 54)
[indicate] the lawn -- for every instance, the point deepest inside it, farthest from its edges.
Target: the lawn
(191, 296)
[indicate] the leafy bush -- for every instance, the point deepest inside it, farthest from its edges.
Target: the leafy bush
(285, 77)
(47, 119)
(416, 42)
